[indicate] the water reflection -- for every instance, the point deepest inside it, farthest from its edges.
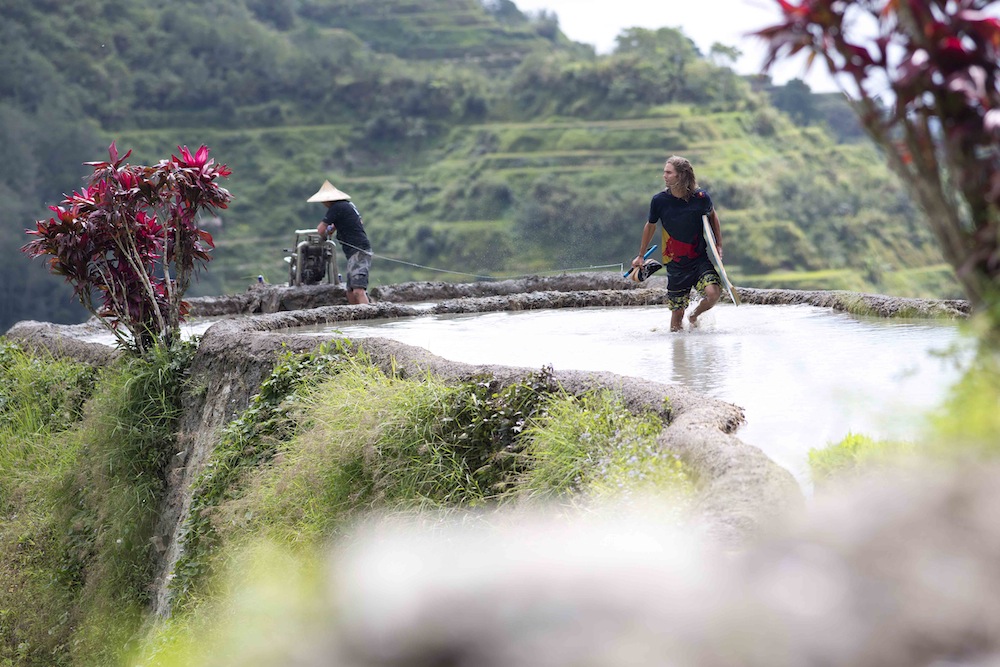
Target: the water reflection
(805, 376)
(701, 364)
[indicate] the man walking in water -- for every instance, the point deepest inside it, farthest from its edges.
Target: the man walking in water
(679, 209)
(343, 217)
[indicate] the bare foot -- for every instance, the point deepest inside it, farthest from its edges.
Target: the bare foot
(693, 320)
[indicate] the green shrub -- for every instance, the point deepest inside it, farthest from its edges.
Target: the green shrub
(308, 455)
(963, 427)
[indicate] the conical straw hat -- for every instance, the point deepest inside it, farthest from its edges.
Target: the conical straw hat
(328, 193)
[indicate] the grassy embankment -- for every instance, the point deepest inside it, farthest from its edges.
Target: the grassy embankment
(328, 441)
(82, 456)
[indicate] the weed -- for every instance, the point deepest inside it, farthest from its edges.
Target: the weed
(328, 439)
(467, 450)
(41, 398)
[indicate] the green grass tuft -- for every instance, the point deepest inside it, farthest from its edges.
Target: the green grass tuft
(592, 447)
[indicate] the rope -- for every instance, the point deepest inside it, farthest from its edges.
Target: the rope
(620, 265)
(431, 268)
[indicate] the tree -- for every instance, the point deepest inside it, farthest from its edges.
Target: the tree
(722, 55)
(939, 59)
(130, 221)
(796, 99)
(545, 23)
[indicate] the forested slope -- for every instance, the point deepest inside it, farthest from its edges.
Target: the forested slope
(474, 138)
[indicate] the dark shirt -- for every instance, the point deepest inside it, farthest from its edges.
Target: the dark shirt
(344, 217)
(683, 236)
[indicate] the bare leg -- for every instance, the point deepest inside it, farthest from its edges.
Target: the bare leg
(677, 319)
(712, 294)
(356, 296)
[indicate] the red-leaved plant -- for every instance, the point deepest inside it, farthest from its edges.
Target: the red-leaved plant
(131, 240)
(937, 61)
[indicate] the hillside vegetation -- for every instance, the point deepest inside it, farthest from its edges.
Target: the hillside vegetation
(476, 140)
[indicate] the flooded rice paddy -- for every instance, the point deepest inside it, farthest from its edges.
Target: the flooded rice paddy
(805, 376)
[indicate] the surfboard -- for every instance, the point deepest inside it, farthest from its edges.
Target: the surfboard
(713, 254)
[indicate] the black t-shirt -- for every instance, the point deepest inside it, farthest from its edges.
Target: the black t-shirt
(346, 219)
(683, 235)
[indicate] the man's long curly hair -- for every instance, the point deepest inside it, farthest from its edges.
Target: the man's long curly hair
(686, 173)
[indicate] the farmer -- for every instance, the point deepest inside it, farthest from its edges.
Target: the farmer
(679, 208)
(343, 217)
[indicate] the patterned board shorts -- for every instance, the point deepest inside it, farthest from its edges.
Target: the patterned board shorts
(358, 266)
(679, 283)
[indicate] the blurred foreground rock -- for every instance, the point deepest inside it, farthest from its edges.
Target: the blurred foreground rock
(892, 571)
